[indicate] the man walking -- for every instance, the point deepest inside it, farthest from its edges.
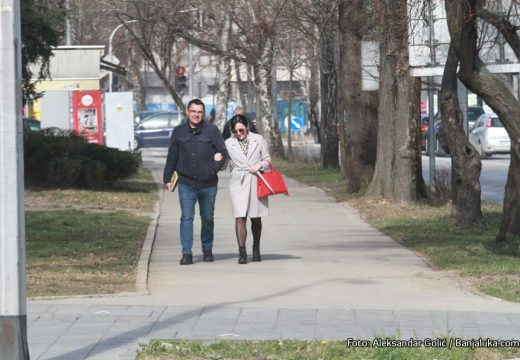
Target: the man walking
(239, 110)
(197, 152)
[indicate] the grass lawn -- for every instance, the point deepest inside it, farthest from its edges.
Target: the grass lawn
(86, 242)
(471, 255)
(294, 349)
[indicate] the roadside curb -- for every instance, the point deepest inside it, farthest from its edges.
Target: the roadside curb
(141, 279)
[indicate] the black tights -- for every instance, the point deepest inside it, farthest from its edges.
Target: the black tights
(241, 231)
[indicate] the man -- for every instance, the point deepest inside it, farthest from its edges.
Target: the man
(197, 152)
(226, 133)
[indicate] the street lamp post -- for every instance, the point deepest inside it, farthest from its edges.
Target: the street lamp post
(190, 56)
(13, 302)
(190, 60)
(431, 122)
(110, 74)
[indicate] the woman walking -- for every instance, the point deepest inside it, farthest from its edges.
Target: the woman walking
(248, 154)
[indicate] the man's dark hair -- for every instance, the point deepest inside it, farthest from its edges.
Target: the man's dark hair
(197, 102)
(238, 119)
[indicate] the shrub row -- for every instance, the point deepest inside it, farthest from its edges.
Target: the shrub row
(58, 158)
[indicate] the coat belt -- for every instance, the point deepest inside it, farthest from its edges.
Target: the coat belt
(243, 170)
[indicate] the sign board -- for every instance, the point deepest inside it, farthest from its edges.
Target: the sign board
(119, 120)
(296, 123)
(56, 110)
(492, 52)
(424, 106)
(86, 115)
(498, 56)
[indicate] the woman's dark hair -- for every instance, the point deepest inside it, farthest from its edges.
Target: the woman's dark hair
(238, 119)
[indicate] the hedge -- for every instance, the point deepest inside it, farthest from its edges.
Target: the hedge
(58, 158)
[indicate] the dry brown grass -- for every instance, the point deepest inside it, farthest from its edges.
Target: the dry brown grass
(83, 242)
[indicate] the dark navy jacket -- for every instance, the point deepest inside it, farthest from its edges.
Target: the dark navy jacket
(191, 155)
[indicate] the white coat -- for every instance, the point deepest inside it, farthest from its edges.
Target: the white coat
(242, 184)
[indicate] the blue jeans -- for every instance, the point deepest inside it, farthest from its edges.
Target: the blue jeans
(188, 197)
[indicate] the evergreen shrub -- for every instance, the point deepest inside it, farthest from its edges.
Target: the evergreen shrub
(58, 158)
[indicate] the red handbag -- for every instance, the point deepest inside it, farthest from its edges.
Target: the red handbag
(270, 183)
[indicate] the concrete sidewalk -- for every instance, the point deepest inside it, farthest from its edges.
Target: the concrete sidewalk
(325, 274)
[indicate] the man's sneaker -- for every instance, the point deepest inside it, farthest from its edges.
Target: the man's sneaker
(187, 259)
(208, 256)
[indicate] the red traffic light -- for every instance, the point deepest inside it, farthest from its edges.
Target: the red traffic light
(181, 70)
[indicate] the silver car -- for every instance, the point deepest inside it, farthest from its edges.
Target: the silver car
(489, 136)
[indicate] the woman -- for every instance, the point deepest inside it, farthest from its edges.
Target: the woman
(248, 154)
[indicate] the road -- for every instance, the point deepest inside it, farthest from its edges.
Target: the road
(492, 179)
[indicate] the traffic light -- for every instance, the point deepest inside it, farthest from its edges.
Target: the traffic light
(180, 79)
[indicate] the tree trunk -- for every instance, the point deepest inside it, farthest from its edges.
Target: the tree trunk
(398, 158)
(251, 96)
(289, 114)
(463, 32)
(358, 109)
(465, 160)
(312, 96)
(266, 121)
(329, 156)
(241, 88)
(224, 74)
(135, 78)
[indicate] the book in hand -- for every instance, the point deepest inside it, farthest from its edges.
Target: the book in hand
(173, 181)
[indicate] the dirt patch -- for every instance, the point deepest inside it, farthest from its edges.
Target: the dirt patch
(71, 281)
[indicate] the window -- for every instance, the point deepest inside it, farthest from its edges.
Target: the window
(156, 122)
(474, 113)
(495, 122)
(175, 119)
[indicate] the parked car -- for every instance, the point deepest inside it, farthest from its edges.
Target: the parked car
(140, 116)
(156, 129)
(473, 114)
(489, 136)
(441, 144)
(441, 147)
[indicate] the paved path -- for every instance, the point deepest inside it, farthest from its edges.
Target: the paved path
(325, 274)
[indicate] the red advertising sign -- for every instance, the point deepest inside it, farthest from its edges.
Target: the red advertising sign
(86, 115)
(424, 106)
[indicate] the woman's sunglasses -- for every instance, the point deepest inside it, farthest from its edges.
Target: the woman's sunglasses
(240, 131)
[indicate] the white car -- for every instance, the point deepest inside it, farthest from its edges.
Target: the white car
(489, 136)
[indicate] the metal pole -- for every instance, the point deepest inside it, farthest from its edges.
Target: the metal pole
(110, 74)
(190, 55)
(190, 60)
(13, 303)
(68, 27)
(431, 121)
(431, 126)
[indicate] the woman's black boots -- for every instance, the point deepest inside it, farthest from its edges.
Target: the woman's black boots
(256, 251)
(242, 255)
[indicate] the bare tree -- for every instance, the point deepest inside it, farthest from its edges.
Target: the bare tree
(252, 40)
(357, 108)
(466, 164)
(329, 83)
(292, 56)
(155, 27)
(319, 21)
(214, 36)
(397, 167)
(90, 24)
(255, 30)
(462, 23)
